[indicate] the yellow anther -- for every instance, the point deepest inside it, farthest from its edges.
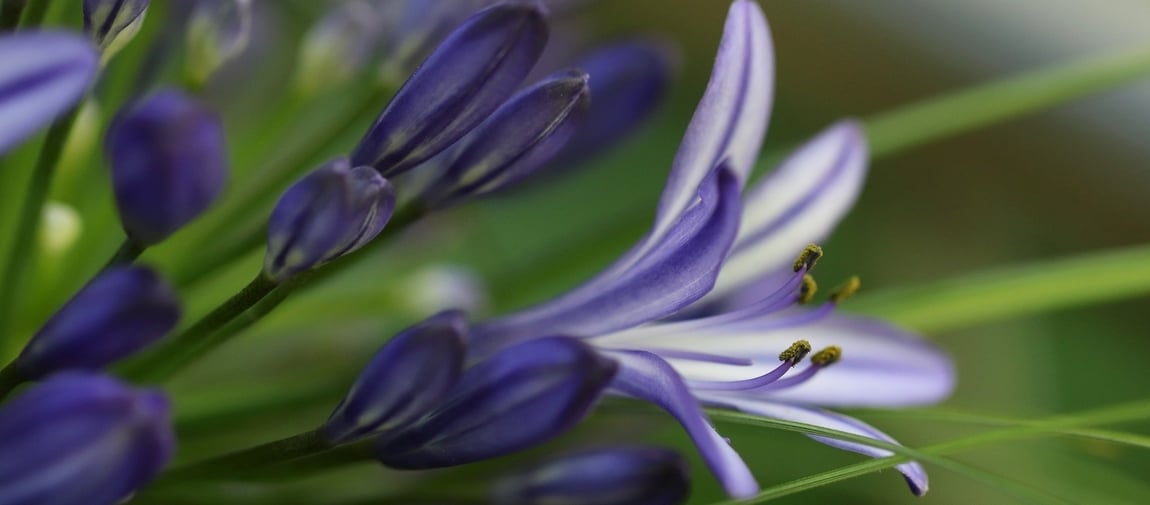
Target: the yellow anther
(796, 352)
(809, 257)
(846, 290)
(828, 356)
(807, 291)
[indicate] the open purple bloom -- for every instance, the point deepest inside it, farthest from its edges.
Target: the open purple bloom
(116, 314)
(519, 397)
(168, 161)
(469, 75)
(82, 440)
(743, 356)
(330, 212)
(405, 380)
(111, 23)
(43, 74)
(632, 475)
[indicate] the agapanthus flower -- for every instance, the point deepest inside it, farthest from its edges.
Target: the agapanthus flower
(43, 75)
(730, 359)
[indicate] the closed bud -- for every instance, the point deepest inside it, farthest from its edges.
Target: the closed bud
(119, 312)
(608, 476)
(43, 74)
(405, 380)
(467, 77)
(218, 31)
(518, 139)
(330, 212)
(168, 162)
(81, 440)
(113, 23)
(629, 81)
(339, 46)
(517, 398)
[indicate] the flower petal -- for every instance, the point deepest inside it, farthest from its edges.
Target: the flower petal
(913, 472)
(675, 273)
(646, 376)
(43, 74)
(797, 204)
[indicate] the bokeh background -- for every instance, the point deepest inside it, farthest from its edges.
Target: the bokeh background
(1057, 183)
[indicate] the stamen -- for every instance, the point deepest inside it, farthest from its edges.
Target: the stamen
(846, 290)
(704, 357)
(819, 361)
(796, 352)
(828, 356)
(807, 291)
(790, 357)
(809, 257)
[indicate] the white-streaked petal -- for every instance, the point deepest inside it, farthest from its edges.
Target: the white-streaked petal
(913, 472)
(799, 203)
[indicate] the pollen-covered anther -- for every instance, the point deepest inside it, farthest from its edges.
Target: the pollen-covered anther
(846, 290)
(809, 257)
(827, 356)
(808, 289)
(796, 352)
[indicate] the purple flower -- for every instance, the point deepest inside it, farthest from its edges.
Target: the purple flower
(706, 249)
(43, 74)
(81, 440)
(517, 398)
(519, 138)
(610, 476)
(116, 314)
(467, 77)
(168, 162)
(112, 23)
(330, 212)
(405, 379)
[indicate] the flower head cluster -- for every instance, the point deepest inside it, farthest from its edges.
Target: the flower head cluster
(710, 308)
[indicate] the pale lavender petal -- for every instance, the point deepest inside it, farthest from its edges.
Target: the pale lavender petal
(913, 472)
(881, 366)
(797, 204)
(646, 376)
(675, 273)
(731, 119)
(42, 74)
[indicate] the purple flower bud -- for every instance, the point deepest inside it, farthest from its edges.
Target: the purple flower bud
(81, 439)
(43, 74)
(405, 380)
(118, 313)
(519, 138)
(218, 31)
(168, 162)
(330, 212)
(339, 45)
(519, 397)
(113, 23)
(629, 81)
(467, 77)
(609, 476)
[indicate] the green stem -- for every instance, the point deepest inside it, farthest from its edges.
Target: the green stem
(10, 379)
(10, 11)
(36, 13)
(127, 253)
(24, 243)
(254, 459)
(1014, 291)
(193, 342)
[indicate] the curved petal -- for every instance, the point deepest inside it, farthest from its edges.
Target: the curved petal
(797, 204)
(913, 472)
(669, 277)
(646, 376)
(43, 74)
(881, 366)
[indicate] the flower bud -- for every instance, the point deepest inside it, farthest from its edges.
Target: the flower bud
(116, 314)
(218, 31)
(519, 138)
(467, 77)
(111, 24)
(81, 439)
(339, 46)
(405, 380)
(168, 162)
(43, 74)
(330, 212)
(608, 476)
(519, 397)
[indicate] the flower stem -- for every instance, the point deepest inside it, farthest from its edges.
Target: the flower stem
(127, 253)
(10, 379)
(254, 459)
(24, 244)
(10, 11)
(36, 13)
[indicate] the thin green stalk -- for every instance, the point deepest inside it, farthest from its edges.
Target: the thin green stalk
(253, 459)
(127, 253)
(1014, 291)
(10, 11)
(10, 379)
(24, 243)
(35, 14)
